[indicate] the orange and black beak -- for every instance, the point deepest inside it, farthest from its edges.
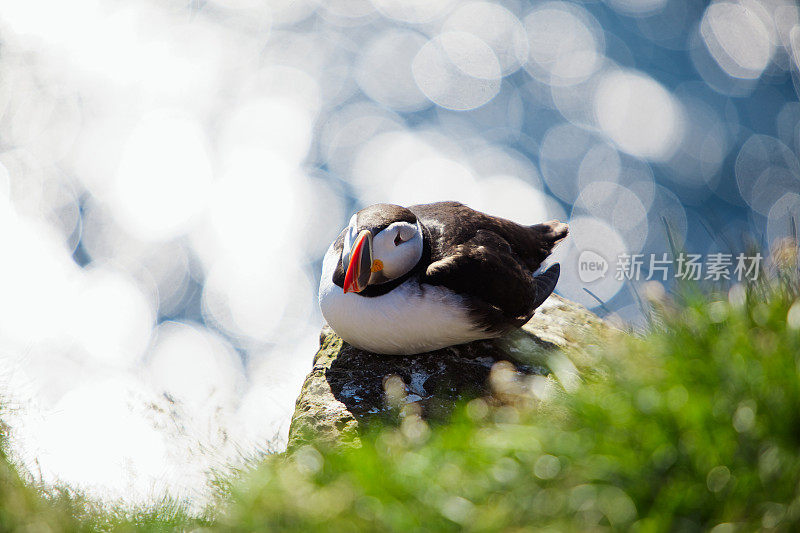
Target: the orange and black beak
(359, 266)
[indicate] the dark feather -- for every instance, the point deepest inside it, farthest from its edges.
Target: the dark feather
(490, 260)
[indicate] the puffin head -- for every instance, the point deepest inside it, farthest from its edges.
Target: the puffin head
(381, 243)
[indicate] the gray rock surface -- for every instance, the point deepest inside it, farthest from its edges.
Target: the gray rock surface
(347, 387)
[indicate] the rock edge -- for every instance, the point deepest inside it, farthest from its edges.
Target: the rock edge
(346, 386)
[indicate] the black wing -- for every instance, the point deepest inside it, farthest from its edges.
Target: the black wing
(490, 259)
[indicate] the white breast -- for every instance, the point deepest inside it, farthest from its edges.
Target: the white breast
(411, 318)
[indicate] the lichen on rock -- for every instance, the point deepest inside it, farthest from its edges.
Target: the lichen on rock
(347, 387)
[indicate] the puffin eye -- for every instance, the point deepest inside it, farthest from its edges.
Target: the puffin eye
(398, 240)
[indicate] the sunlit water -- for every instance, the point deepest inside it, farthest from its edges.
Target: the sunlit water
(172, 172)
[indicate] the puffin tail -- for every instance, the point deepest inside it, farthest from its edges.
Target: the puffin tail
(545, 284)
(547, 236)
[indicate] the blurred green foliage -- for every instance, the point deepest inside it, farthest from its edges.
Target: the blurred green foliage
(26, 507)
(693, 426)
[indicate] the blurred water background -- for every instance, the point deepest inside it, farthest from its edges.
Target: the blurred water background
(172, 172)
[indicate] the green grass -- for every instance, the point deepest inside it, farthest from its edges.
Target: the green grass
(691, 427)
(27, 507)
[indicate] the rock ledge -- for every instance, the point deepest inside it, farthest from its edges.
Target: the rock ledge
(347, 386)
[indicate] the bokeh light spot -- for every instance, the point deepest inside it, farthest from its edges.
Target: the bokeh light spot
(384, 70)
(164, 176)
(737, 39)
(638, 114)
(496, 26)
(566, 46)
(458, 71)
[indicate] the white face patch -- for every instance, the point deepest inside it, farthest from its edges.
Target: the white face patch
(399, 248)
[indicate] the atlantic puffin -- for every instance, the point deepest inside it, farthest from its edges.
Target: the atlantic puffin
(408, 280)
